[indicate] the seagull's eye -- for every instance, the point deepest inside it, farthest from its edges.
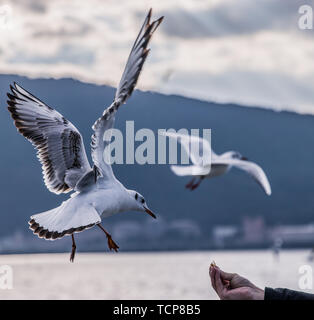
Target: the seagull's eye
(136, 196)
(142, 200)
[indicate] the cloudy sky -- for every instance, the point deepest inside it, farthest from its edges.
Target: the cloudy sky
(240, 51)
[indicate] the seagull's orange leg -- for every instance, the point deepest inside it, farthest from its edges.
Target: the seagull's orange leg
(194, 186)
(73, 249)
(190, 184)
(111, 244)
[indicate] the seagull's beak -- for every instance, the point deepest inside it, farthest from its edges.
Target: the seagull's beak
(244, 158)
(150, 213)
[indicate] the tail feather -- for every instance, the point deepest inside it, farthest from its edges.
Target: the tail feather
(190, 170)
(64, 220)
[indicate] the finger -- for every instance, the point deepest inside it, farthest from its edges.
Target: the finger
(226, 275)
(218, 283)
(224, 280)
(226, 283)
(212, 278)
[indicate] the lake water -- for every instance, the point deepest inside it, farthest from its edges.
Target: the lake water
(162, 275)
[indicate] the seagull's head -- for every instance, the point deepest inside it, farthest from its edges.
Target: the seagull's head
(140, 203)
(236, 155)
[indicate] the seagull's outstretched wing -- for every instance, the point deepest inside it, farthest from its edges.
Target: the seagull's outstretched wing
(125, 88)
(59, 144)
(254, 170)
(197, 148)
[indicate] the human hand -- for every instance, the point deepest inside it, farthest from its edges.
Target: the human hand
(231, 286)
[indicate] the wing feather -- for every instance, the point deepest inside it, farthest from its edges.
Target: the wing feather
(125, 88)
(254, 170)
(59, 144)
(197, 148)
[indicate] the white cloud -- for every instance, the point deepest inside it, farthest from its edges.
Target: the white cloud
(242, 51)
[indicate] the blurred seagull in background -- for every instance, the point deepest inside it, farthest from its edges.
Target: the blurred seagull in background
(61, 151)
(208, 164)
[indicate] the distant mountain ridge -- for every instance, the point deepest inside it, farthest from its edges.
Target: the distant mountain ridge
(281, 142)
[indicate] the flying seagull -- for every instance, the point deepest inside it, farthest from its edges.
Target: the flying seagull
(208, 164)
(60, 149)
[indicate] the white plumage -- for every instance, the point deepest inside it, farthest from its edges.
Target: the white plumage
(61, 151)
(207, 164)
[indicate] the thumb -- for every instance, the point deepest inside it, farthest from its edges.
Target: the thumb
(226, 275)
